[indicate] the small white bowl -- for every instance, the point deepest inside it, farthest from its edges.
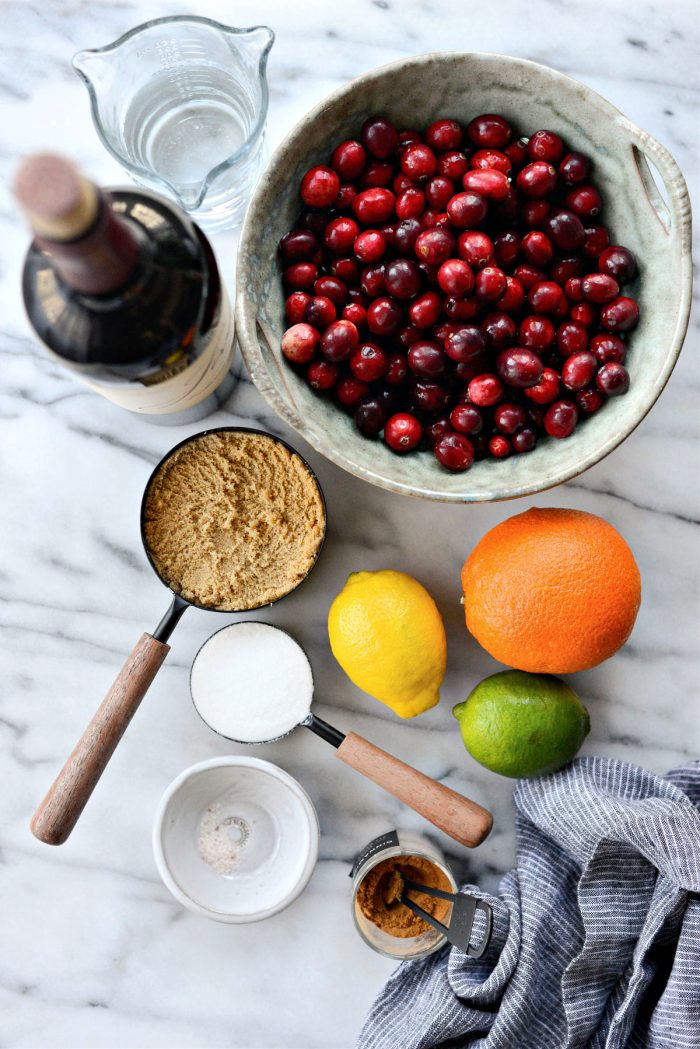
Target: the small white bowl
(273, 830)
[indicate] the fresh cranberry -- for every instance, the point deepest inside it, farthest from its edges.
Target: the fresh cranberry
(452, 165)
(426, 359)
(613, 379)
(608, 348)
(476, 248)
(322, 375)
(467, 210)
(406, 336)
(597, 240)
(536, 333)
(466, 418)
(418, 162)
(599, 288)
(490, 131)
(571, 338)
(438, 192)
(455, 452)
(589, 401)
(345, 269)
(299, 245)
(332, 288)
(369, 363)
(499, 329)
(565, 268)
(348, 159)
(583, 313)
(578, 370)
(516, 153)
(584, 201)
(408, 137)
(524, 440)
(545, 145)
(485, 390)
(428, 398)
(383, 316)
(444, 134)
(300, 343)
(546, 389)
(339, 340)
(397, 370)
(461, 309)
(491, 158)
(528, 276)
(490, 284)
(435, 431)
(434, 246)
(534, 212)
(455, 277)
(356, 313)
(295, 306)
(513, 297)
(572, 289)
(500, 447)
(560, 419)
(378, 173)
(487, 182)
(620, 315)
(537, 248)
(402, 432)
(406, 234)
(402, 278)
(618, 262)
(320, 312)
(370, 246)
(519, 367)
(429, 218)
(349, 392)
(370, 416)
(426, 310)
(545, 297)
(346, 195)
(509, 417)
(565, 229)
(402, 183)
(506, 247)
(373, 280)
(374, 206)
(319, 187)
(574, 169)
(464, 344)
(300, 275)
(537, 179)
(379, 137)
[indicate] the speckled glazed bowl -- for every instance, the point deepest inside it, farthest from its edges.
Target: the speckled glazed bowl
(413, 92)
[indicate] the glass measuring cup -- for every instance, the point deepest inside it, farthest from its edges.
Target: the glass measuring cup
(181, 103)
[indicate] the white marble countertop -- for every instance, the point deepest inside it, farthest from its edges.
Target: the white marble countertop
(95, 950)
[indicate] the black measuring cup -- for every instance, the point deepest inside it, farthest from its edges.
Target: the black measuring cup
(60, 810)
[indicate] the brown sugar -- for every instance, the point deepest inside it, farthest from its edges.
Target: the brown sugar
(233, 520)
(377, 895)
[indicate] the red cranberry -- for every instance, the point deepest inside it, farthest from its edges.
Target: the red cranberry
(378, 173)
(620, 315)
(597, 240)
(356, 313)
(346, 195)
(584, 201)
(455, 452)
(491, 158)
(572, 289)
(618, 262)
(370, 416)
(332, 288)
(571, 338)
(528, 276)
(513, 297)
(524, 440)
(545, 297)
(546, 389)
(373, 280)
(509, 417)
(545, 145)
(534, 212)
(418, 162)
(452, 165)
(409, 137)
(464, 344)
(490, 131)
(467, 210)
(345, 269)
(536, 333)
(613, 380)
(426, 310)
(444, 134)
(402, 432)
(369, 362)
(499, 329)
(578, 370)
(537, 179)
(565, 268)
(383, 316)
(406, 336)
(299, 245)
(519, 367)
(295, 306)
(434, 431)
(322, 375)
(583, 313)
(490, 284)
(319, 187)
(574, 169)
(339, 340)
(560, 419)
(379, 137)
(349, 391)
(487, 182)
(485, 390)
(506, 246)
(500, 447)
(537, 248)
(565, 229)
(429, 218)
(348, 159)
(320, 312)
(406, 234)
(370, 246)
(397, 370)
(300, 275)
(599, 288)
(608, 349)
(402, 183)
(466, 418)
(402, 278)
(461, 309)
(428, 398)
(455, 277)
(434, 246)
(426, 359)
(438, 192)
(374, 206)
(589, 401)
(300, 343)
(476, 248)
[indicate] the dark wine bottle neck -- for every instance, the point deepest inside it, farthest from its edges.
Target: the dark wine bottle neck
(100, 261)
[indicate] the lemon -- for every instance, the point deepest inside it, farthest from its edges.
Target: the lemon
(522, 724)
(388, 636)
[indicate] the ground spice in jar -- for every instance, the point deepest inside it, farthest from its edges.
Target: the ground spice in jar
(377, 895)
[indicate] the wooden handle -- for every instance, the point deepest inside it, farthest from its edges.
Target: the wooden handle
(462, 819)
(59, 811)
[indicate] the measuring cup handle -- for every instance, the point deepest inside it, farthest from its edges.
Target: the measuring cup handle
(59, 811)
(464, 820)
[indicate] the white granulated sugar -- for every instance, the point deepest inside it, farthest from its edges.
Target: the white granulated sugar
(252, 682)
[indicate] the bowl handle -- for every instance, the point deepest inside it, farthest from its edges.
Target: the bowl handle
(677, 217)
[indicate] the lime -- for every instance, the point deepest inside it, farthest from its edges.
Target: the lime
(522, 724)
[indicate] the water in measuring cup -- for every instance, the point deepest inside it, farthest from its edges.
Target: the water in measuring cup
(181, 124)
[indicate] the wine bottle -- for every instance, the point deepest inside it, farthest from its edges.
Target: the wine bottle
(123, 288)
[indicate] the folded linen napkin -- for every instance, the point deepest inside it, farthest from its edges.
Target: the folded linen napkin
(596, 936)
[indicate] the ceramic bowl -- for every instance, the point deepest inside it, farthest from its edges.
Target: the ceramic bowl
(412, 92)
(235, 839)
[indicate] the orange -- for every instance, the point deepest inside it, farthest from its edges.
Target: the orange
(551, 591)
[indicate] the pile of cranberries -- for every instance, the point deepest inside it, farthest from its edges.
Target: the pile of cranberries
(456, 289)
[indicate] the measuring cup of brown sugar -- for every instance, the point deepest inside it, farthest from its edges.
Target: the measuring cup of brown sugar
(232, 519)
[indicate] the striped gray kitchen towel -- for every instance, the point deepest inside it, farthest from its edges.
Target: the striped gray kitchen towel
(596, 938)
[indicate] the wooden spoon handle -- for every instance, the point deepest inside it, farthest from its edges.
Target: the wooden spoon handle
(59, 811)
(462, 819)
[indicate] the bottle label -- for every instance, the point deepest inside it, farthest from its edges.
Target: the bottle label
(384, 841)
(183, 384)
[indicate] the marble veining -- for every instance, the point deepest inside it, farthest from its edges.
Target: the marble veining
(95, 951)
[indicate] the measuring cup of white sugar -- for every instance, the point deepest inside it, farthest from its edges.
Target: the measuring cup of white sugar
(235, 839)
